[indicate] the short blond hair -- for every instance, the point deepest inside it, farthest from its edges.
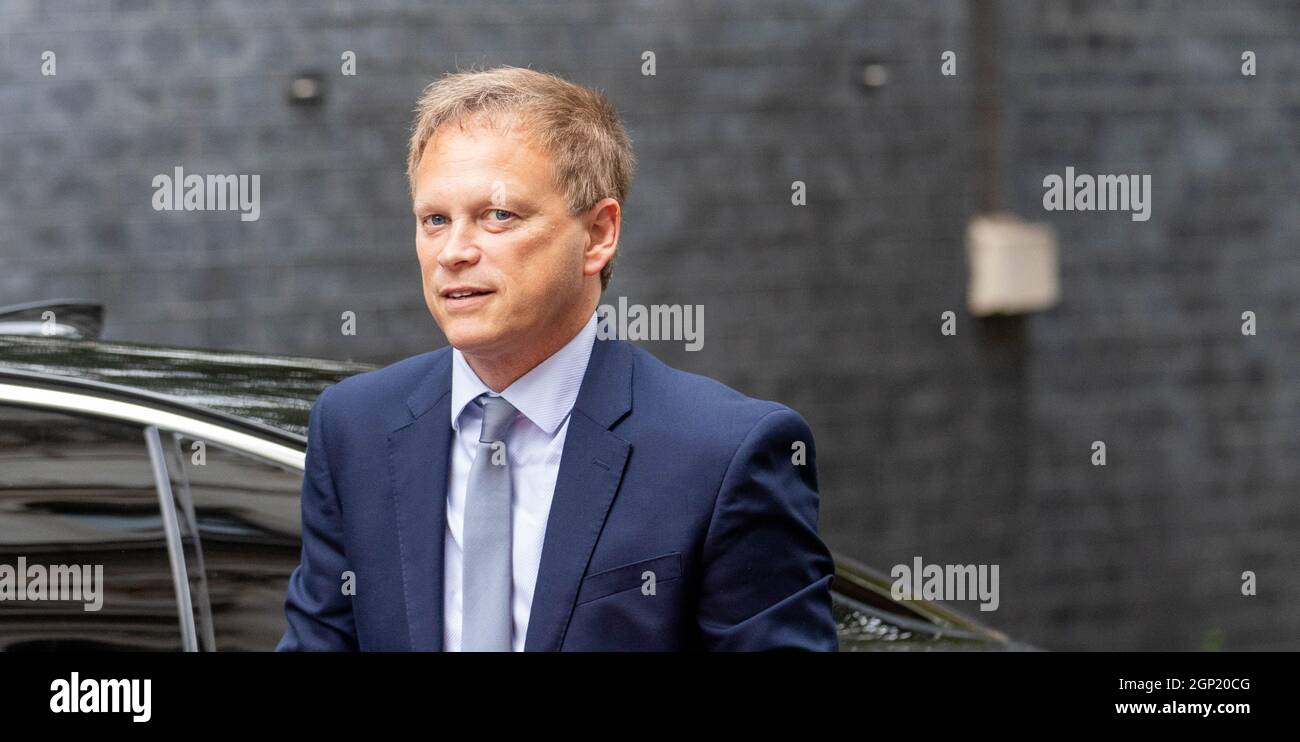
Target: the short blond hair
(578, 127)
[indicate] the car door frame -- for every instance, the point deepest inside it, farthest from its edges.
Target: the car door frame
(155, 415)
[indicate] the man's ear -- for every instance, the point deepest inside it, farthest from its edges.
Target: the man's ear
(603, 222)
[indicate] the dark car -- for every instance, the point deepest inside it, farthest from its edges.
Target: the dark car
(178, 472)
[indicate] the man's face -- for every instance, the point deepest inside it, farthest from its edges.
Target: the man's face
(491, 223)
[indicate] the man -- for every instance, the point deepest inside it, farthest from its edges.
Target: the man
(532, 487)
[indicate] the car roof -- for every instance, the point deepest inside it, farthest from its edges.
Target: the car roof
(273, 390)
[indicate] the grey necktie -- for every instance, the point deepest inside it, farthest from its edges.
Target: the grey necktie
(486, 618)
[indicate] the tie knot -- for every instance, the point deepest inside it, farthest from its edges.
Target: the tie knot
(497, 416)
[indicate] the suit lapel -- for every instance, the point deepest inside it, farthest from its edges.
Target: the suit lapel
(418, 454)
(591, 468)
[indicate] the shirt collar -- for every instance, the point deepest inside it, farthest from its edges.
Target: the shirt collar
(545, 395)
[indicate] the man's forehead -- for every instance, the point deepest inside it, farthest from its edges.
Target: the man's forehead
(498, 182)
(486, 157)
(479, 133)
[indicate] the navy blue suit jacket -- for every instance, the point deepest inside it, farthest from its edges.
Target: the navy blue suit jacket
(663, 472)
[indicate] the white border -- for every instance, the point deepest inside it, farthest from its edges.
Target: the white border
(137, 413)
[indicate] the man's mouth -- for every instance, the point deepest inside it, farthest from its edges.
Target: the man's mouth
(457, 296)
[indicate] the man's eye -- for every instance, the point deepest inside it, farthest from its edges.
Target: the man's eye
(500, 214)
(435, 220)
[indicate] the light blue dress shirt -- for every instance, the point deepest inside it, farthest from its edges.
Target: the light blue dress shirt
(544, 397)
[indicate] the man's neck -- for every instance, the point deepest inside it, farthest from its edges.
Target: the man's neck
(500, 371)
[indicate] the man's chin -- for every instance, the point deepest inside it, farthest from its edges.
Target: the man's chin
(469, 338)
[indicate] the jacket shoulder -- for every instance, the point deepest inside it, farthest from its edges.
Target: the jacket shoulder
(383, 391)
(698, 407)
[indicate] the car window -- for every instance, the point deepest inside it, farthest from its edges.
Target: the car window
(245, 514)
(83, 555)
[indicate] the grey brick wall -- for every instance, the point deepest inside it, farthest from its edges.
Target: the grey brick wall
(965, 449)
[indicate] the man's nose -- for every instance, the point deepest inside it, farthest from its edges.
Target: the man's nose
(461, 248)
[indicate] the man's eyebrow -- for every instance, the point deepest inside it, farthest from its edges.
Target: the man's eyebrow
(511, 200)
